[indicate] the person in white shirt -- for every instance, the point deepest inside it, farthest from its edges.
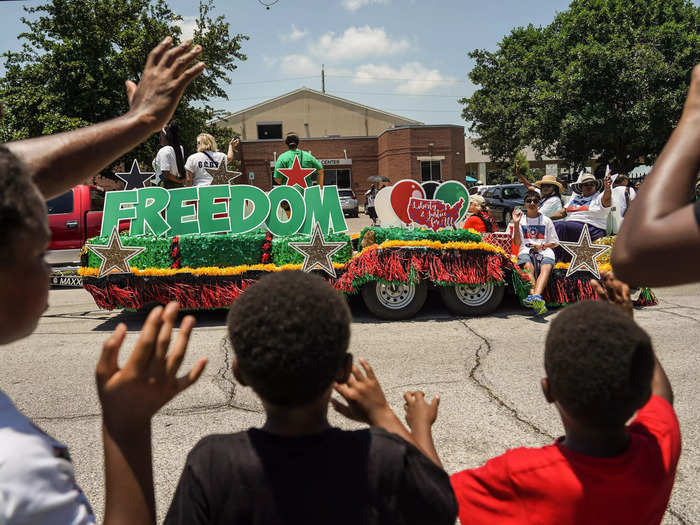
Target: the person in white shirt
(536, 238)
(169, 164)
(622, 196)
(370, 194)
(588, 207)
(207, 156)
(549, 189)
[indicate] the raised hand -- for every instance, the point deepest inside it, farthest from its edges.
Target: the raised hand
(365, 399)
(154, 99)
(131, 396)
(517, 215)
(607, 181)
(420, 413)
(614, 291)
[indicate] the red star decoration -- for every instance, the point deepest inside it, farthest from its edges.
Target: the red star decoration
(296, 175)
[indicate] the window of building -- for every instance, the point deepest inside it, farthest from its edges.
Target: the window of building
(340, 178)
(269, 130)
(430, 170)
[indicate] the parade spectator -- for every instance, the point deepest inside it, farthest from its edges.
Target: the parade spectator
(587, 207)
(207, 156)
(601, 470)
(37, 482)
(290, 333)
(169, 163)
(306, 160)
(536, 238)
(370, 195)
(549, 189)
(659, 242)
(480, 219)
(622, 196)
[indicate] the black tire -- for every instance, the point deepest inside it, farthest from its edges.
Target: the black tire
(356, 213)
(394, 302)
(472, 301)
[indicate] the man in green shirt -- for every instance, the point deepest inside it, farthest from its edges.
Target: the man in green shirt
(284, 167)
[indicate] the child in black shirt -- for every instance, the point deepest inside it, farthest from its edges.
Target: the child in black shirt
(290, 334)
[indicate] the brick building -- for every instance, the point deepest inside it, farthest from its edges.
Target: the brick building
(419, 152)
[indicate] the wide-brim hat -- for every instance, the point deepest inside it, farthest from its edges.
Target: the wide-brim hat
(549, 179)
(586, 177)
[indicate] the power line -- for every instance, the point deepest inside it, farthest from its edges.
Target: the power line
(276, 80)
(394, 94)
(446, 81)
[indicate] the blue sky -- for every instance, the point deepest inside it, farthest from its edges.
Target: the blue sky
(402, 56)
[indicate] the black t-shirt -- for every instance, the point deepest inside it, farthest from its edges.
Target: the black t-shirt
(335, 477)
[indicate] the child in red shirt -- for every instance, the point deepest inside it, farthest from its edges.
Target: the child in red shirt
(601, 471)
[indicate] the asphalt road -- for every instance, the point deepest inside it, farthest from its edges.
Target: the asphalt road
(486, 370)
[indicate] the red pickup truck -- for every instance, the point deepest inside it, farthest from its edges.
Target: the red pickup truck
(74, 217)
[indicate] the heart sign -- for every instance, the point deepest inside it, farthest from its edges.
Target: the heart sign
(451, 192)
(402, 192)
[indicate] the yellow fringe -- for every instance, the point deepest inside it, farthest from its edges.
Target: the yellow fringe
(205, 270)
(437, 245)
(605, 267)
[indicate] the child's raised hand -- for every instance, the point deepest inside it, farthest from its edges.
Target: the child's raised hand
(365, 399)
(131, 396)
(517, 215)
(614, 291)
(420, 413)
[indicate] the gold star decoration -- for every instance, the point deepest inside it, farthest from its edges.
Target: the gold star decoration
(317, 252)
(222, 175)
(584, 253)
(114, 255)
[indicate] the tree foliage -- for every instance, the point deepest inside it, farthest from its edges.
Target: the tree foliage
(77, 54)
(606, 79)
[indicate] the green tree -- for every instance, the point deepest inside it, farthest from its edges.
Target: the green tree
(606, 79)
(77, 54)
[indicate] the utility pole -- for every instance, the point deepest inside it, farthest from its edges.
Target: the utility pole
(323, 79)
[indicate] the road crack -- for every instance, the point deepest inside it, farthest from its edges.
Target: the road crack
(483, 350)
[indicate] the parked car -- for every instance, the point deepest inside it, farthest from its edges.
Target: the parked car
(74, 217)
(479, 189)
(503, 199)
(348, 201)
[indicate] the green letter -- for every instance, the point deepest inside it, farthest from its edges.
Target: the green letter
(243, 219)
(152, 201)
(176, 212)
(324, 209)
(113, 211)
(208, 208)
(296, 205)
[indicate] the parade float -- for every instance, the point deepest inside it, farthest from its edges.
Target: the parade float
(203, 246)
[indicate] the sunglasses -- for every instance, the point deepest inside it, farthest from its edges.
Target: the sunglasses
(532, 201)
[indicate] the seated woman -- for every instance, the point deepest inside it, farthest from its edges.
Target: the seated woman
(588, 206)
(549, 189)
(480, 219)
(536, 238)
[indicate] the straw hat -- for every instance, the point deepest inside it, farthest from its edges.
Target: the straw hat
(549, 179)
(586, 177)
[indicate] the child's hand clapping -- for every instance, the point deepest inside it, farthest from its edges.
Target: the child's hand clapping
(366, 401)
(419, 413)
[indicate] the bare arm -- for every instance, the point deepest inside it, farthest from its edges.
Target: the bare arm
(529, 185)
(130, 397)
(232, 146)
(420, 417)
(517, 217)
(606, 200)
(659, 231)
(59, 162)
(616, 292)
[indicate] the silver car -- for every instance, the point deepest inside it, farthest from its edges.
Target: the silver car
(348, 201)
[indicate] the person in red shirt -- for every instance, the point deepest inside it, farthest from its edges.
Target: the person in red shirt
(479, 219)
(602, 470)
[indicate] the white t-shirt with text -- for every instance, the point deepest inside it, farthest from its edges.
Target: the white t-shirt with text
(37, 483)
(537, 231)
(588, 210)
(197, 162)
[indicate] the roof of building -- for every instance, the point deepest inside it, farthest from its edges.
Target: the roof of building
(313, 92)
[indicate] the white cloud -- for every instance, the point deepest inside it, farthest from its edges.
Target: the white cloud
(357, 43)
(354, 5)
(413, 77)
(299, 66)
(293, 35)
(188, 25)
